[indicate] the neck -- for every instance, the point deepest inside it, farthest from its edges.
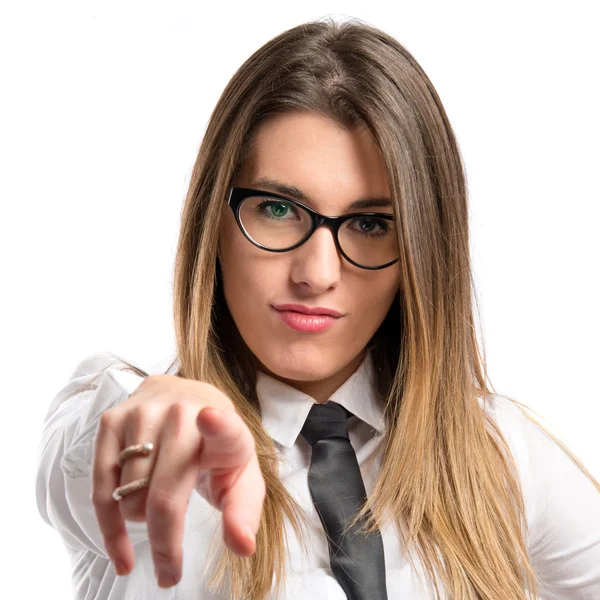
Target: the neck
(321, 390)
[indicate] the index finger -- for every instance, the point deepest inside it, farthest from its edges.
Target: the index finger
(235, 483)
(106, 477)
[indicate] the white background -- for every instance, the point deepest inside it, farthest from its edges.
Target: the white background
(103, 107)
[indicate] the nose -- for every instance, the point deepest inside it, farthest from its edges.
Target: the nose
(316, 264)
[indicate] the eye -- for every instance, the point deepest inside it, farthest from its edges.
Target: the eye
(370, 226)
(277, 210)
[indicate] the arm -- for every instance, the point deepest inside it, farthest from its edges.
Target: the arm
(63, 481)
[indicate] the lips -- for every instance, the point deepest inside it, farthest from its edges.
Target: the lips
(307, 310)
(307, 319)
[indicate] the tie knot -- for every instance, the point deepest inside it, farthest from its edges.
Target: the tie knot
(326, 420)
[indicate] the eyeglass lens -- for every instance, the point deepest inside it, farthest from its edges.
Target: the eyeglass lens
(276, 224)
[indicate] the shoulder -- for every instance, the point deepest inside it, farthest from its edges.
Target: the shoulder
(518, 426)
(93, 368)
(99, 378)
(533, 449)
(523, 436)
(562, 503)
(528, 438)
(93, 364)
(554, 486)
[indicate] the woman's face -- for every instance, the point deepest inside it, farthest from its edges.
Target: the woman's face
(333, 167)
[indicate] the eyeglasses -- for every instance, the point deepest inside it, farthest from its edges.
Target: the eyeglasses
(279, 224)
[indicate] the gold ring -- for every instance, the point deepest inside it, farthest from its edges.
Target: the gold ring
(123, 490)
(135, 450)
(138, 484)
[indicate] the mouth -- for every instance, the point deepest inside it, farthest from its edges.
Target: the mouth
(307, 319)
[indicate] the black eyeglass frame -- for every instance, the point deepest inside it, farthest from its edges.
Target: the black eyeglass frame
(238, 194)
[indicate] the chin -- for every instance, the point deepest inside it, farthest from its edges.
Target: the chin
(306, 365)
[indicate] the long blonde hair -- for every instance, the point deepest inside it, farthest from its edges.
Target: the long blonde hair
(447, 474)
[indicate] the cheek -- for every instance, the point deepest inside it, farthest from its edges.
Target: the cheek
(374, 295)
(371, 302)
(235, 252)
(251, 280)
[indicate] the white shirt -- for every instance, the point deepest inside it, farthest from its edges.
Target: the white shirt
(562, 505)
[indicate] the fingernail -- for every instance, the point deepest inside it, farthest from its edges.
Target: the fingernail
(120, 567)
(166, 579)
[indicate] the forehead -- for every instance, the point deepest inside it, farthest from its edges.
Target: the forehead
(332, 165)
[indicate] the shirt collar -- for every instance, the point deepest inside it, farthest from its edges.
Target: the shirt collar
(284, 408)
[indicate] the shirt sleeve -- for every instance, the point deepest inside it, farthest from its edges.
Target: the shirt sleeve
(563, 510)
(63, 480)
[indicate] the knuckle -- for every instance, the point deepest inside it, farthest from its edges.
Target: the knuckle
(178, 409)
(98, 500)
(165, 557)
(164, 505)
(177, 415)
(137, 416)
(142, 415)
(133, 508)
(109, 419)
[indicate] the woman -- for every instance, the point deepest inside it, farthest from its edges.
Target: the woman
(282, 312)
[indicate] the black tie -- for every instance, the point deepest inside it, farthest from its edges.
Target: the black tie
(338, 492)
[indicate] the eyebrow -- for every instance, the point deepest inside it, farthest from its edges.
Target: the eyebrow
(297, 194)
